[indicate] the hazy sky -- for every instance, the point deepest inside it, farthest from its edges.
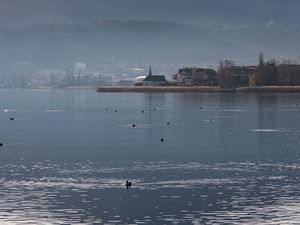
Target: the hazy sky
(197, 12)
(191, 31)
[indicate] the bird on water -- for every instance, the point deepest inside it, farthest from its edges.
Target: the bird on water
(128, 184)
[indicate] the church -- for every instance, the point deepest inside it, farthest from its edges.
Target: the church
(154, 80)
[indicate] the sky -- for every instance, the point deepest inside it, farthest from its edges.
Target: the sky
(194, 32)
(196, 12)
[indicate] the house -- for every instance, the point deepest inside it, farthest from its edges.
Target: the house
(196, 77)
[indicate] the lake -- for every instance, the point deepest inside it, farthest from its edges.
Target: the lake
(193, 158)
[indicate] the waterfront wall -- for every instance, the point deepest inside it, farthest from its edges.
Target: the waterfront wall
(157, 89)
(269, 89)
(204, 89)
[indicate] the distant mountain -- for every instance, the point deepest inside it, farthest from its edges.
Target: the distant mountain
(52, 45)
(211, 13)
(57, 33)
(64, 44)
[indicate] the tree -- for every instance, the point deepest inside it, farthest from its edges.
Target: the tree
(261, 60)
(288, 73)
(266, 74)
(225, 74)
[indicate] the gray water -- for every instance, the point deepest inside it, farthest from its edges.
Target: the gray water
(225, 159)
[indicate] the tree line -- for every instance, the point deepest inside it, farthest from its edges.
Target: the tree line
(269, 73)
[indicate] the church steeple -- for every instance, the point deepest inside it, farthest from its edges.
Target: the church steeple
(150, 72)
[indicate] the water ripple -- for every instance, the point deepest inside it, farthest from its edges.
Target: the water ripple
(89, 192)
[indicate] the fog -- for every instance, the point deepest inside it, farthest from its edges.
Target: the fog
(116, 34)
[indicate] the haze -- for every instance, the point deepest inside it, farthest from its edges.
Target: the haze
(55, 34)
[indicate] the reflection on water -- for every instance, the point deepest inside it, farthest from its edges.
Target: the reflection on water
(87, 192)
(225, 159)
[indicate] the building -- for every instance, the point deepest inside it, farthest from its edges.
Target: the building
(242, 74)
(196, 77)
(153, 80)
(288, 74)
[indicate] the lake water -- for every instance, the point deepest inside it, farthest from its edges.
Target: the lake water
(224, 159)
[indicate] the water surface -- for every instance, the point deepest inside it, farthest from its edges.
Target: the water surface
(226, 158)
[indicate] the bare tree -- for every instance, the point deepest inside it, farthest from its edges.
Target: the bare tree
(288, 72)
(266, 74)
(225, 74)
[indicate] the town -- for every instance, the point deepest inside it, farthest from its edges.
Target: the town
(227, 76)
(230, 76)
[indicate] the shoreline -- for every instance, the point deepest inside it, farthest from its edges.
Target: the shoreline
(269, 89)
(150, 89)
(199, 89)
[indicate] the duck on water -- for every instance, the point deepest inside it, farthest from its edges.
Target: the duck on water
(128, 184)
